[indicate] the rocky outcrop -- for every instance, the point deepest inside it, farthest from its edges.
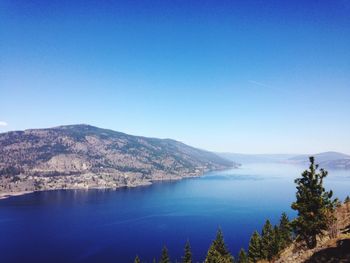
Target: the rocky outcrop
(83, 156)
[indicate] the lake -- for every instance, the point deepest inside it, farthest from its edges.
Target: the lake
(115, 225)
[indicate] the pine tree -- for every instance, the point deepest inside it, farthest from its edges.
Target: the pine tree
(242, 256)
(165, 256)
(187, 258)
(254, 251)
(285, 231)
(314, 205)
(137, 260)
(276, 245)
(267, 241)
(218, 252)
(347, 200)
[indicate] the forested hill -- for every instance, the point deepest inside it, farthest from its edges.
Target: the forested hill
(85, 149)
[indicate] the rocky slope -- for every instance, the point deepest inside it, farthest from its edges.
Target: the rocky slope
(334, 246)
(83, 156)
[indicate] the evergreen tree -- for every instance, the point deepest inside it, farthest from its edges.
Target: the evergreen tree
(187, 258)
(314, 205)
(165, 256)
(285, 231)
(267, 241)
(218, 252)
(276, 245)
(242, 256)
(254, 251)
(347, 200)
(137, 260)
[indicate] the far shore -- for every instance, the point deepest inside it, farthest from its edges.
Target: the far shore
(6, 195)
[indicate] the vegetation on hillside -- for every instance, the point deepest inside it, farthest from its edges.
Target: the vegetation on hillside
(218, 251)
(187, 258)
(314, 205)
(272, 240)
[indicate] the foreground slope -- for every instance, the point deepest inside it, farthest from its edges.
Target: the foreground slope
(81, 156)
(333, 247)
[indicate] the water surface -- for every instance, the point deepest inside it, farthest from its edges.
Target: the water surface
(115, 225)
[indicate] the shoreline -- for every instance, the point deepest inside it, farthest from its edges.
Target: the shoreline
(6, 195)
(10, 194)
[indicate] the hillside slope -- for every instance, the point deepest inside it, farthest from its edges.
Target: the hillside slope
(334, 246)
(32, 158)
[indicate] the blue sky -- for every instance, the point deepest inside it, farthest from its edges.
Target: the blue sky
(240, 76)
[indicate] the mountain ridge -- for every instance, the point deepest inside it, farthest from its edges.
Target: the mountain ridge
(85, 156)
(329, 159)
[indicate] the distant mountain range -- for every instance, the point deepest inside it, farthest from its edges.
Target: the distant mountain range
(331, 160)
(83, 156)
(255, 158)
(320, 157)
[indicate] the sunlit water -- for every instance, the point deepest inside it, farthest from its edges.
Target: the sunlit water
(115, 225)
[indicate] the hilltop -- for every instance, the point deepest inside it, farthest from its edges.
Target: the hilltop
(84, 156)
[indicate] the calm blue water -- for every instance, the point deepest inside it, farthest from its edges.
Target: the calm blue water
(115, 225)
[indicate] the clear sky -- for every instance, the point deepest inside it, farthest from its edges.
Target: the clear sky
(239, 76)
